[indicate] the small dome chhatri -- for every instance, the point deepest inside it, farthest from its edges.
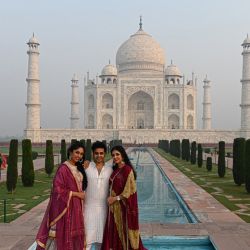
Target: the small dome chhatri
(33, 40)
(140, 52)
(246, 41)
(173, 70)
(109, 70)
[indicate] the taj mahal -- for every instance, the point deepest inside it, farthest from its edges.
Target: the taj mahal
(141, 99)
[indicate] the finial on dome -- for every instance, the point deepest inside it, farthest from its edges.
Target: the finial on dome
(33, 34)
(171, 61)
(109, 61)
(140, 23)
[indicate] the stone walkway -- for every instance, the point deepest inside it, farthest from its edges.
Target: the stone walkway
(226, 230)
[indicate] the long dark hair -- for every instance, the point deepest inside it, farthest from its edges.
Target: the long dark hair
(75, 145)
(124, 157)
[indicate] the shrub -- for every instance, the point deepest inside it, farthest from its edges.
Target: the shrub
(221, 160)
(28, 174)
(12, 172)
(207, 150)
(88, 150)
(83, 142)
(209, 163)
(34, 155)
(193, 153)
(199, 161)
(73, 141)
(247, 165)
(49, 158)
(239, 161)
(63, 151)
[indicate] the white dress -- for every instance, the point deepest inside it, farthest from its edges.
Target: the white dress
(95, 211)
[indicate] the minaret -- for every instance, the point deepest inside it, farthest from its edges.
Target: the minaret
(75, 114)
(33, 89)
(206, 105)
(245, 91)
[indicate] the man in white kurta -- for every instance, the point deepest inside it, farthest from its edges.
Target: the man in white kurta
(95, 213)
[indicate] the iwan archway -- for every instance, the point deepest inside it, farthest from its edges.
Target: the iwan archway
(140, 111)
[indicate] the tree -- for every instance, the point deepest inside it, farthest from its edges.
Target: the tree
(12, 172)
(209, 163)
(193, 152)
(63, 151)
(88, 150)
(199, 161)
(82, 141)
(73, 141)
(28, 174)
(49, 158)
(247, 165)
(187, 150)
(239, 161)
(221, 160)
(183, 149)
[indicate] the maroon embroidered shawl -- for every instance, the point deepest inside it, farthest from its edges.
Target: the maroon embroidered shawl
(122, 226)
(64, 212)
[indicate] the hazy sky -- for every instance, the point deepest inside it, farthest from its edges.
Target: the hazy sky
(77, 36)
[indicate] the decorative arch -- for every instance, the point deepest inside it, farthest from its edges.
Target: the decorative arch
(107, 121)
(91, 101)
(109, 81)
(190, 122)
(91, 121)
(107, 101)
(140, 110)
(173, 121)
(190, 102)
(173, 101)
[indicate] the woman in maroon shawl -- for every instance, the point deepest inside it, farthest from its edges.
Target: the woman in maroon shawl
(62, 227)
(122, 226)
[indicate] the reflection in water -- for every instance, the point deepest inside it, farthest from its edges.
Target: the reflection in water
(157, 200)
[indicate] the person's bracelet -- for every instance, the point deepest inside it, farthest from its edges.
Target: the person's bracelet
(118, 198)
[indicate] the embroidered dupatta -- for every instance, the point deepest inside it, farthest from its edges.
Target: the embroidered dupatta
(122, 226)
(64, 213)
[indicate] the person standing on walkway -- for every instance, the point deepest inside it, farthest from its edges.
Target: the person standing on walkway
(95, 213)
(62, 227)
(122, 224)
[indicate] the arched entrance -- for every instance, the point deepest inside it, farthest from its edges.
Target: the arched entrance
(140, 111)
(107, 121)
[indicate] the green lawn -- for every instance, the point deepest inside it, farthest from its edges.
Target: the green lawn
(224, 189)
(25, 198)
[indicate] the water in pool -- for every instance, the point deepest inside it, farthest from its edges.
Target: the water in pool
(158, 201)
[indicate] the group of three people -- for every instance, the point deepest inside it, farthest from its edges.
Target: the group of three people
(92, 203)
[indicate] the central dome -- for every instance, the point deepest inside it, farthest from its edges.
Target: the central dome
(140, 52)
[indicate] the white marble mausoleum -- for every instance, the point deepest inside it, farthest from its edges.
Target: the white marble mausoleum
(140, 99)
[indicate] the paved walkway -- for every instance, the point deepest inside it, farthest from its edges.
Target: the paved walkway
(225, 229)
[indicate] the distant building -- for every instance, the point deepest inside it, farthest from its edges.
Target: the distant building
(139, 99)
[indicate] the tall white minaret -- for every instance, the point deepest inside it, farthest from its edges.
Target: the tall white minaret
(206, 119)
(75, 114)
(33, 86)
(245, 91)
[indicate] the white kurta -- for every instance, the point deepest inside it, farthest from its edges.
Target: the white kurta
(96, 202)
